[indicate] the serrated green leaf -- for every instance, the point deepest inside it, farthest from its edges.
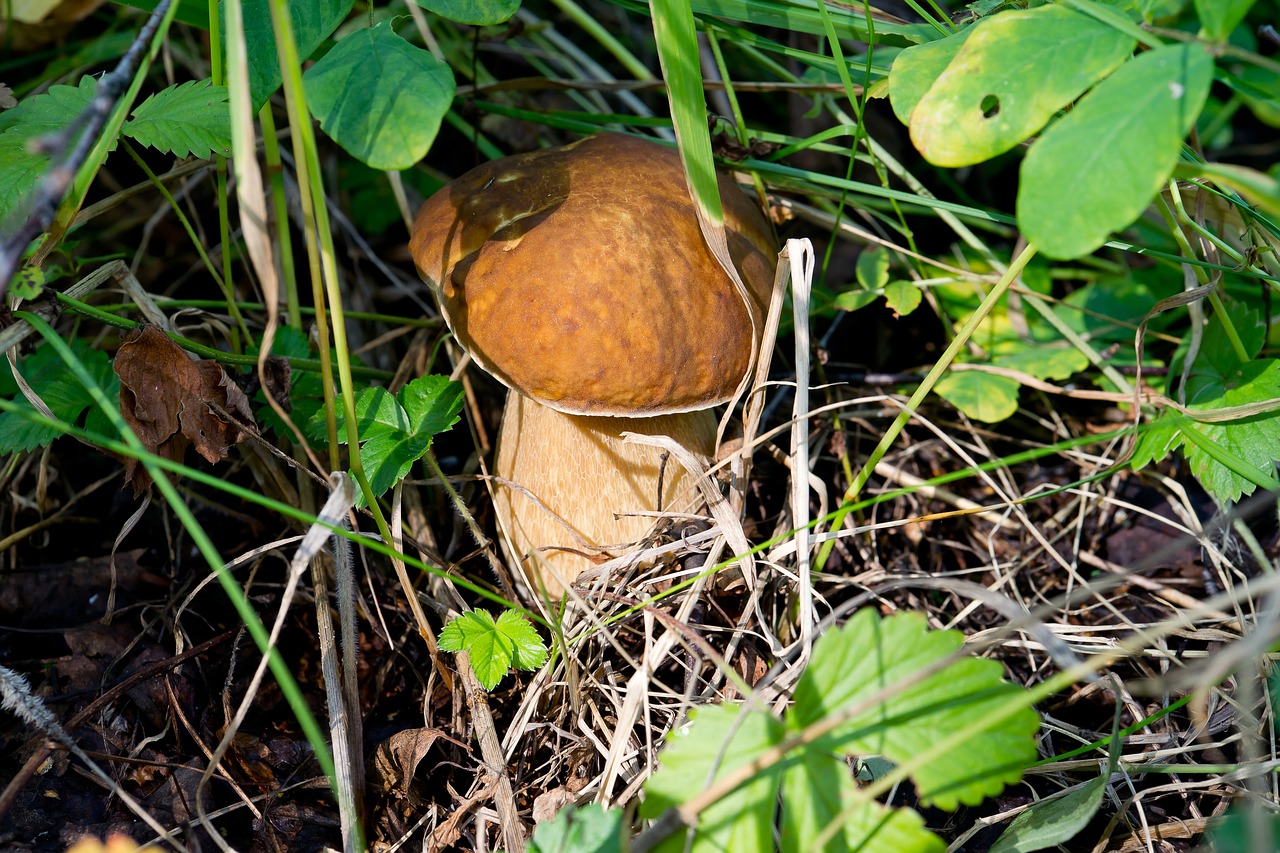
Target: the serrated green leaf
(902, 297)
(49, 376)
(432, 403)
(1219, 17)
(982, 396)
(480, 13)
(528, 650)
(1049, 823)
(1095, 170)
(37, 116)
(817, 789)
(583, 829)
(186, 120)
(873, 268)
(1157, 440)
(917, 68)
(1233, 458)
(868, 654)
(313, 22)
(1011, 75)
(490, 650)
(379, 97)
(377, 413)
(718, 738)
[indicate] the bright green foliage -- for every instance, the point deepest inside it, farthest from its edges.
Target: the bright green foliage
(916, 69)
(1229, 458)
(1219, 17)
(186, 120)
(1009, 78)
(1095, 171)
(37, 116)
(984, 397)
(717, 739)
(379, 97)
(306, 389)
(851, 668)
(676, 37)
(1049, 823)
(27, 283)
(873, 275)
(49, 376)
(481, 13)
(902, 297)
(396, 431)
(313, 22)
(589, 829)
(495, 645)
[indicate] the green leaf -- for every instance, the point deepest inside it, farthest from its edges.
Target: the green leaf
(494, 646)
(717, 739)
(313, 22)
(1097, 169)
(818, 789)
(1258, 187)
(379, 97)
(396, 431)
(1242, 832)
(852, 300)
(1044, 361)
(49, 376)
(1008, 80)
(586, 829)
(1051, 822)
(902, 297)
(528, 652)
(480, 13)
(868, 654)
(1232, 458)
(982, 396)
(37, 116)
(27, 283)
(917, 68)
(1219, 17)
(873, 268)
(186, 120)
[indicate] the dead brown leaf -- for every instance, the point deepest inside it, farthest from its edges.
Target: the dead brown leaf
(172, 401)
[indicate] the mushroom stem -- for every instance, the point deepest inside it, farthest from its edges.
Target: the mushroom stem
(588, 480)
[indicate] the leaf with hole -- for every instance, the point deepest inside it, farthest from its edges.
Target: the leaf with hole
(379, 97)
(186, 120)
(479, 13)
(1097, 169)
(1009, 78)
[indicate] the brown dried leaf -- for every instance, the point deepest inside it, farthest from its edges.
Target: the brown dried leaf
(172, 401)
(396, 760)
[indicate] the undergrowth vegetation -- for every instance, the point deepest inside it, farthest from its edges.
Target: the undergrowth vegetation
(986, 557)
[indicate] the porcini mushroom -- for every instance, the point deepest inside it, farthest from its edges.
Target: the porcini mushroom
(579, 278)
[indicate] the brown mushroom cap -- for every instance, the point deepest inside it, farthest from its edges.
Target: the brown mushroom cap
(578, 276)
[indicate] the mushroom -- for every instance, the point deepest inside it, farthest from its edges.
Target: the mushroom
(579, 278)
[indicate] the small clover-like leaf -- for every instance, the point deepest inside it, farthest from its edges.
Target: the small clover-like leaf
(982, 396)
(902, 297)
(494, 645)
(873, 268)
